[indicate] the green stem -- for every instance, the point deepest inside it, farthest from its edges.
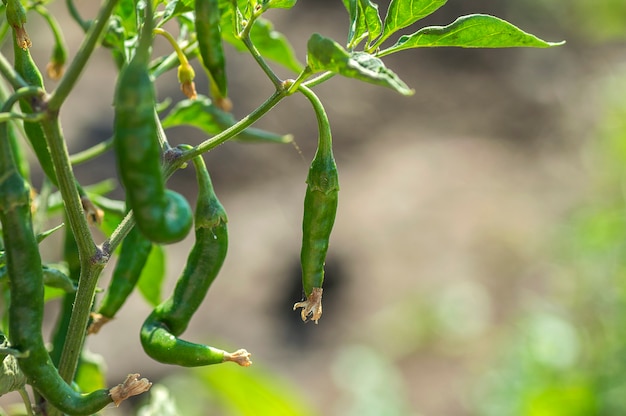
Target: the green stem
(319, 79)
(29, 118)
(71, 7)
(73, 72)
(247, 41)
(160, 66)
(91, 260)
(7, 71)
(324, 146)
(230, 132)
(91, 153)
(26, 400)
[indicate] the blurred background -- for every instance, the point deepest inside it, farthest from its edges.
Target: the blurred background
(478, 261)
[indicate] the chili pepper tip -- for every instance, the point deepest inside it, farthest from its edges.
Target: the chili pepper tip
(132, 386)
(241, 357)
(97, 321)
(312, 306)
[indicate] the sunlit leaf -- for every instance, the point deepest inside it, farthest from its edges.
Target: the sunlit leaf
(202, 114)
(365, 21)
(91, 371)
(152, 276)
(175, 8)
(252, 392)
(270, 43)
(354, 35)
(279, 4)
(403, 13)
(325, 54)
(372, 19)
(471, 31)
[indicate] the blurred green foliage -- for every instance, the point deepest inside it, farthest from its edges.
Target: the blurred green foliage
(596, 21)
(567, 354)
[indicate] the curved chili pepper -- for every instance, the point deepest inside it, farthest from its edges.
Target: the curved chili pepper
(24, 268)
(320, 209)
(162, 215)
(132, 259)
(210, 42)
(27, 69)
(160, 331)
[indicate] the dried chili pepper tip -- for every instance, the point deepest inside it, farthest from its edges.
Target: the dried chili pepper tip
(97, 322)
(312, 306)
(241, 357)
(132, 386)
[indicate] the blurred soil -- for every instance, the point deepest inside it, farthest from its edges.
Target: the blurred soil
(448, 201)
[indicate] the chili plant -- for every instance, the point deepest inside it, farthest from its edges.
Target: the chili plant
(152, 215)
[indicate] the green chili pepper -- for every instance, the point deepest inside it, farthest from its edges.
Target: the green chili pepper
(160, 331)
(133, 256)
(163, 216)
(27, 69)
(210, 42)
(16, 16)
(320, 208)
(23, 264)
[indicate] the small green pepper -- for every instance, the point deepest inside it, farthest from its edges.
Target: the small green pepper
(210, 46)
(163, 216)
(160, 331)
(27, 69)
(133, 256)
(320, 208)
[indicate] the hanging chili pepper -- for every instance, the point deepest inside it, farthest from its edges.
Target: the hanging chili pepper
(160, 331)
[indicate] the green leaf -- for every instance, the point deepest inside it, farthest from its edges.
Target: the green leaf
(365, 21)
(371, 18)
(471, 31)
(325, 54)
(90, 374)
(403, 13)
(175, 8)
(202, 114)
(353, 13)
(152, 276)
(252, 391)
(270, 43)
(279, 4)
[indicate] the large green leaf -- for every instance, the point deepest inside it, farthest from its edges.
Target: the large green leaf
(324, 54)
(270, 43)
(152, 276)
(175, 8)
(202, 114)
(279, 4)
(403, 13)
(472, 31)
(252, 391)
(91, 372)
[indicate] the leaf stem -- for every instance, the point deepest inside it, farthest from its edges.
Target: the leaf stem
(247, 41)
(230, 132)
(7, 71)
(319, 79)
(73, 72)
(91, 153)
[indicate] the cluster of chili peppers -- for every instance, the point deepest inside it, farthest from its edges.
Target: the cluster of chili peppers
(160, 215)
